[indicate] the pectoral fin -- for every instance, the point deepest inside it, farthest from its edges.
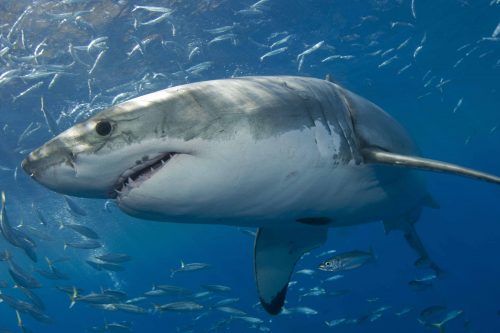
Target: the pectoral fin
(373, 155)
(275, 254)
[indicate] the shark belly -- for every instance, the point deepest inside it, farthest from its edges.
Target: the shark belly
(244, 181)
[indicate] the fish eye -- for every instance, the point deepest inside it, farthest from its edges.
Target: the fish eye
(103, 127)
(327, 263)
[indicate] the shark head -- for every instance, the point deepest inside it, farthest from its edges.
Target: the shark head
(118, 151)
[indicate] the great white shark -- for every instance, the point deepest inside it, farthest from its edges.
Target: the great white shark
(291, 156)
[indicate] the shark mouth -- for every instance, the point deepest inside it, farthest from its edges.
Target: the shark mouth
(138, 174)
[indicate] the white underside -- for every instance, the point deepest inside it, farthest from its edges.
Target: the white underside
(249, 182)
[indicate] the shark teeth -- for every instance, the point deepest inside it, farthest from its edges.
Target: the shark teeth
(135, 176)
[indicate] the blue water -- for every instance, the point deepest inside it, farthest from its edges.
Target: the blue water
(463, 236)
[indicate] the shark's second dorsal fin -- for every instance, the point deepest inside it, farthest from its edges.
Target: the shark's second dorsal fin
(275, 254)
(372, 155)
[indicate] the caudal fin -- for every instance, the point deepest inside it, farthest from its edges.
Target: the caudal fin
(439, 326)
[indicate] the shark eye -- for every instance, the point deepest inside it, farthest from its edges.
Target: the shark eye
(103, 128)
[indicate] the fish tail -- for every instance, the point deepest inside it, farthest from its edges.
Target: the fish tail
(439, 326)
(65, 246)
(73, 297)
(156, 308)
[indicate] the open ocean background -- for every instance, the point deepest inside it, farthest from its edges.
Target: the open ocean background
(448, 99)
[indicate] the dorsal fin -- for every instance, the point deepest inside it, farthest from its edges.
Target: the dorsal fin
(373, 155)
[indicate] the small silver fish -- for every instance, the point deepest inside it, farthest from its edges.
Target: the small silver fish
(199, 68)
(74, 207)
(51, 123)
(306, 271)
(158, 19)
(97, 60)
(180, 307)
(216, 288)
(220, 30)
(222, 38)
(311, 49)
(347, 261)
(338, 57)
(153, 9)
(273, 53)
(404, 69)
(388, 61)
(87, 244)
(192, 267)
(303, 310)
(281, 41)
(231, 310)
(335, 322)
(459, 104)
(250, 320)
(27, 91)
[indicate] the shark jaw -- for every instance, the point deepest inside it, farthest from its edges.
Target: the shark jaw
(138, 174)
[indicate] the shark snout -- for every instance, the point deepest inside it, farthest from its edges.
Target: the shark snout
(56, 166)
(46, 157)
(27, 166)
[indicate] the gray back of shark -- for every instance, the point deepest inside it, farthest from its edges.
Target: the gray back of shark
(289, 155)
